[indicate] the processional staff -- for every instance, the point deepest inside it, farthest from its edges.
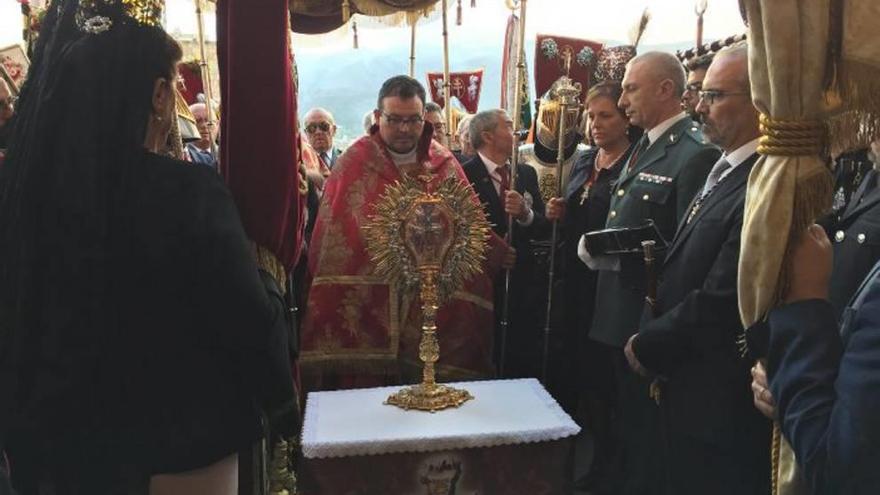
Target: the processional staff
(447, 87)
(566, 94)
(206, 76)
(412, 49)
(700, 10)
(514, 159)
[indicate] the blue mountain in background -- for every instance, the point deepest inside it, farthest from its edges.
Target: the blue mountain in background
(347, 83)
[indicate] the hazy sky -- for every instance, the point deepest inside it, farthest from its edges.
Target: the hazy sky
(672, 21)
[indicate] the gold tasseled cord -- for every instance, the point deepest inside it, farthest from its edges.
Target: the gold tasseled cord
(791, 137)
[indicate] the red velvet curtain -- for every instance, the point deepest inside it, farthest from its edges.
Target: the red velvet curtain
(258, 153)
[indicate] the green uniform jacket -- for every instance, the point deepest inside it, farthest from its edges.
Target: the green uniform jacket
(659, 186)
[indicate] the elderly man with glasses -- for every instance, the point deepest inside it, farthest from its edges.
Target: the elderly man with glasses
(320, 128)
(358, 331)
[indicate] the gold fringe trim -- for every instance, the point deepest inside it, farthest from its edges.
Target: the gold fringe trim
(791, 137)
(549, 116)
(775, 449)
(396, 16)
(282, 479)
(812, 199)
(267, 261)
(857, 122)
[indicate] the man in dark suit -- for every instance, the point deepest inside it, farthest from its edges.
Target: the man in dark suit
(688, 338)
(664, 172)
(855, 235)
(491, 133)
(855, 239)
(320, 129)
(825, 377)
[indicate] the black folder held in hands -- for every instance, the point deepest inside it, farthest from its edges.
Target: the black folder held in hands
(624, 240)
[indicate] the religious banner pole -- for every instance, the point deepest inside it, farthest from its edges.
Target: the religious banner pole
(206, 75)
(447, 87)
(412, 49)
(700, 10)
(514, 159)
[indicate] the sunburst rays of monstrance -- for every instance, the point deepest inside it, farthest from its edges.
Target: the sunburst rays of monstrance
(430, 241)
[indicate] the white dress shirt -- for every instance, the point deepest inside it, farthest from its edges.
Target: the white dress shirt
(495, 174)
(658, 130)
(739, 155)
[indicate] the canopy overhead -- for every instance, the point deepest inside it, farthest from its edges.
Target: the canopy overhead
(322, 16)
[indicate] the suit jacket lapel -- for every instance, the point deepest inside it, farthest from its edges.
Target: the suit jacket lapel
(731, 184)
(486, 189)
(579, 174)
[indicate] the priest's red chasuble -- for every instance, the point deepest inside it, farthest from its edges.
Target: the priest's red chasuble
(359, 330)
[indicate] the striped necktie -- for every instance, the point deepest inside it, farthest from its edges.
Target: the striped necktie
(714, 177)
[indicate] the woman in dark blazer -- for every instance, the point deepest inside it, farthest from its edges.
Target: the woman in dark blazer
(137, 337)
(584, 209)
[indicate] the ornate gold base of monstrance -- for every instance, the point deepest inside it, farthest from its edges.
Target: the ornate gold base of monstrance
(430, 241)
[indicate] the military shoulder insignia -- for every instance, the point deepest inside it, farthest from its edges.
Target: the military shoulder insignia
(695, 133)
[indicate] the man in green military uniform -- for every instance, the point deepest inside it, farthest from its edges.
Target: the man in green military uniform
(658, 183)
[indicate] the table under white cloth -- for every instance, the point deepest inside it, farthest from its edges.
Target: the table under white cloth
(503, 412)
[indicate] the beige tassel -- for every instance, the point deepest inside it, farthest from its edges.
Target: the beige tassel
(473, 3)
(458, 14)
(346, 11)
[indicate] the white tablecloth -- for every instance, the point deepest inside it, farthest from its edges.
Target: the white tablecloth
(503, 412)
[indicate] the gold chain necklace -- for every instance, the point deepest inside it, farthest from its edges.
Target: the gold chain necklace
(612, 161)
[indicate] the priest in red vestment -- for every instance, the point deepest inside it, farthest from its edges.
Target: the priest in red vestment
(358, 330)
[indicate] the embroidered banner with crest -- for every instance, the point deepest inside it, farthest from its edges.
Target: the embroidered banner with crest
(464, 86)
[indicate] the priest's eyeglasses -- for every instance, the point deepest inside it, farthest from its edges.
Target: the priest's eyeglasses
(398, 121)
(712, 95)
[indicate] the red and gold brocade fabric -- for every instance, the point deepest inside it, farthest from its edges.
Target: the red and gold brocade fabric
(357, 326)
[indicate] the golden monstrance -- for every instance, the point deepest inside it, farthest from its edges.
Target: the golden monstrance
(430, 243)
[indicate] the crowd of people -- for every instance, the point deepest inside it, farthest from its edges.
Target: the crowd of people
(143, 349)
